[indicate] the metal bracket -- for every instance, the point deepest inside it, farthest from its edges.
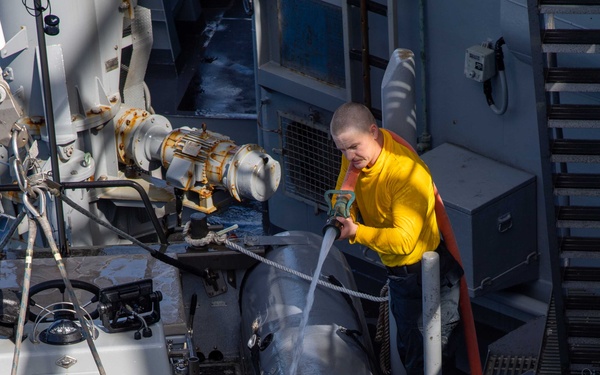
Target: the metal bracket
(8, 74)
(16, 44)
(214, 283)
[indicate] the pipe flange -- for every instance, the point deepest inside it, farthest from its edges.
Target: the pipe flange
(253, 174)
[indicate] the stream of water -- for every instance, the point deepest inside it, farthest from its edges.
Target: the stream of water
(328, 239)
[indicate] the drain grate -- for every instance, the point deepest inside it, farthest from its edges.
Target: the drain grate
(509, 365)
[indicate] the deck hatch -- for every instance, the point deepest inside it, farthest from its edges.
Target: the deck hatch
(311, 162)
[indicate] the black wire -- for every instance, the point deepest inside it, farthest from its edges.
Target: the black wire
(487, 90)
(499, 54)
(35, 12)
(499, 59)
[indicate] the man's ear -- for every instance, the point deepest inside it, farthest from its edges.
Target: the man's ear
(374, 129)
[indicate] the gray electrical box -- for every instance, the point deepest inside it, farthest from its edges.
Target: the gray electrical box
(492, 209)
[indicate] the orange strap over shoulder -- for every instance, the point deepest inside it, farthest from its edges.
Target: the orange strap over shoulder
(446, 229)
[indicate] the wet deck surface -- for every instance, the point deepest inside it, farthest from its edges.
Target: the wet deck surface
(214, 73)
(106, 271)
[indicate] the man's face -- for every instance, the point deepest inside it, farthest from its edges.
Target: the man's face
(360, 148)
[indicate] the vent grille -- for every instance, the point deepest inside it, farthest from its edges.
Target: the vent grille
(509, 365)
(311, 162)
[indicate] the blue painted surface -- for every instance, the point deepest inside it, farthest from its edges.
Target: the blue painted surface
(311, 40)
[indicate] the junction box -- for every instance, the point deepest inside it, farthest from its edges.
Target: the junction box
(480, 63)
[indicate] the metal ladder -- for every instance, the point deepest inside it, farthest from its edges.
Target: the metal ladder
(569, 136)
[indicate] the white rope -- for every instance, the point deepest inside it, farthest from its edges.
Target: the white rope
(211, 237)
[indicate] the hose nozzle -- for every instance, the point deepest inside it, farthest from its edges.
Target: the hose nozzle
(341, 207)
(333, 223)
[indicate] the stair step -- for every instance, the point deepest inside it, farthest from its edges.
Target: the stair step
(571, 41)
(573, 79)
(572, 7)
(580, 300)
(577, 184)
(570, 2)
(577, 217)
(579, 247)
(583, 274)
(582, 328)
(575, 151)
(573, 116)
(584, 351)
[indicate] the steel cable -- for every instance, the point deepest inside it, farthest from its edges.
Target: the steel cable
(24, 295)
(47, 230)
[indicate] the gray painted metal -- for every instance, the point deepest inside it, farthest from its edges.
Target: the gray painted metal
(492, 210)
(273, 301)
(399, 112)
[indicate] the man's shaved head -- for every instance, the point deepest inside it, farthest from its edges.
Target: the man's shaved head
(351, 116)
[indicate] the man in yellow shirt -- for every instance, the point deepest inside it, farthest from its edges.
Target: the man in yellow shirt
(394, 215)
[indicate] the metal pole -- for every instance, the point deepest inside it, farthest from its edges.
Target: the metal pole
(49, 118)
(366, 63)
(432, 327)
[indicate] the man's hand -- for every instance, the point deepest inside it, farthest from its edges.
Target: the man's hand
(348, 227)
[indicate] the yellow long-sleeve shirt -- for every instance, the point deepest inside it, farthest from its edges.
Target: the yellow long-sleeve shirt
(396, 201)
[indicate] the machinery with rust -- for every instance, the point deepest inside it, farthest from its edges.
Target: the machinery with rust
(80, 111)
(500, 99)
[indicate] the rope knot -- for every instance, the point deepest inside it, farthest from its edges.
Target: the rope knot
(211, 237)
